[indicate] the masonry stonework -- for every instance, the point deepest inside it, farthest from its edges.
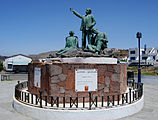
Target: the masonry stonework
(58, 79)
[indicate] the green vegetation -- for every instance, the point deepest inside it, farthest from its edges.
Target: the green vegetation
(8, 80)
(153, 74)
(155, 68)
(151, 70)
(123, 60)
(134, 69)
(1, 66)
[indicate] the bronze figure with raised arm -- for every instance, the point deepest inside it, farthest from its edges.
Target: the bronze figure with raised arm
(87, 24)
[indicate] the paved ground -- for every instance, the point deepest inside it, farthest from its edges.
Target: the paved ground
(6, 110)
(150, 110)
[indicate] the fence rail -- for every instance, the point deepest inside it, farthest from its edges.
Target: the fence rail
(134, 93)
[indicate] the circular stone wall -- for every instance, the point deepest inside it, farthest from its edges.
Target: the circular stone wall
(58, 76)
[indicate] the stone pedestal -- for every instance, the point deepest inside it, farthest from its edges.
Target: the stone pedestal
(58, 77)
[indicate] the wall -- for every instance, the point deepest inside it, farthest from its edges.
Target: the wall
(58, 79)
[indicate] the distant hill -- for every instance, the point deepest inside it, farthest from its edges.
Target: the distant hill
(2, 58)
(41, 55)
(122, 53)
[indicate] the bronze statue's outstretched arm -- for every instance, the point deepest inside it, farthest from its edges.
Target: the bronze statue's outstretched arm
(76, 13)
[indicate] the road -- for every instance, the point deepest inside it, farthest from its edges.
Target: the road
(150, 110)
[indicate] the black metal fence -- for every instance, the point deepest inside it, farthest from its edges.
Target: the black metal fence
(134, 93)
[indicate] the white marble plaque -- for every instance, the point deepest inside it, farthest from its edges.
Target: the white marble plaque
(86, 80)
(37, 77)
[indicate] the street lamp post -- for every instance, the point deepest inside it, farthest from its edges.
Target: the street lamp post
(139, 35)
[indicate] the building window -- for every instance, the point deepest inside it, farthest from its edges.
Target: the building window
(132, 52)
(10, 66)
(132, 58)
(144, 58)
(154, 57)
(143, 52)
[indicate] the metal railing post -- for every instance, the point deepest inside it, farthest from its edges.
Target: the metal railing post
(90, 100)
(64, 102)
(83, 102)
(40, 99)
(130, 95)
(102, 101)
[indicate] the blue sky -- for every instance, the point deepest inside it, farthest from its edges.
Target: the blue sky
(36, 26)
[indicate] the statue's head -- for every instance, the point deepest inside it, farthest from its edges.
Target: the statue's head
(94, 30)
(71, 33)
(88, 11)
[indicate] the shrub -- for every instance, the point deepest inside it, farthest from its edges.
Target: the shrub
(1, 66)
(155, 68)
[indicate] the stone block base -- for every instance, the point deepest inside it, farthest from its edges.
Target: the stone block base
(58, 78)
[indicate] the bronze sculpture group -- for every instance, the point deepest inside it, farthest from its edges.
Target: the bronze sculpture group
(97, 41)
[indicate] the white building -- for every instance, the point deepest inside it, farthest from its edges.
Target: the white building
(148, 56)
(17, 63)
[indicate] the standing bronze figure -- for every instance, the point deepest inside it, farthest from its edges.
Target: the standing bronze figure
(87, 24)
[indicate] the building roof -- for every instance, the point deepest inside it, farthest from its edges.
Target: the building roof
(20, 55)
(18, 60)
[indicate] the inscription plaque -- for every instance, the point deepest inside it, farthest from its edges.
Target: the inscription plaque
(37, 77)
(86, 80)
